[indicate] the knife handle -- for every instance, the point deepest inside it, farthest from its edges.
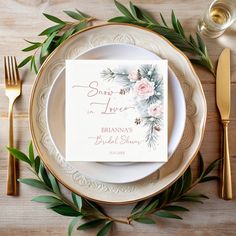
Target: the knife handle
(226, 172)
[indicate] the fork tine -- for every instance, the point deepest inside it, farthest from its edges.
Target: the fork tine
(16, 72)
(13, 72)
(10, 79)
(6, 72)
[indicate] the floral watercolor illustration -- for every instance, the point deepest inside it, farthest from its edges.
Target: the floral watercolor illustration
(146, 85)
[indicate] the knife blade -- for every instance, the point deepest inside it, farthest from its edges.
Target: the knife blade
(223, 103)
(223, 84)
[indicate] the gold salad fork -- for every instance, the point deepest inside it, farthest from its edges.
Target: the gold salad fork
(13, 90)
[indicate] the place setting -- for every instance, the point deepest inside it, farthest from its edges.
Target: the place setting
(117, 115)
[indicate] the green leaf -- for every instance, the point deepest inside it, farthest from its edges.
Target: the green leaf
(145, 220)
(138, 14)
(44, 175)
(190, 199)
(74, 15)
(46, 199)
(80, 26)
(203, 61)
(209, 178)
(51, 30)
(180, 28)
(37, 164)
(31, 152)
(176, 24)
(138, 206)
(167, 33)
(72, 225)
(35, 183)
(211, 167)
(42, 58)
(123, 10)
(91, 224)
(175, 208)
(201, 43)
(82, 14)
(19, 155)
(66, 35)
(77, 200)
(66, 210)
(105, 229)
(54, 204)
(53, 18)
(174, 21)
(25, 61)
(163, 20)
(192, 41)
(151, 206)
(201, 164)
(133, 9)
(120, 19)
(187, 179)
(33, 63)
(47, 43)
(163, 197)
(31, 42)
(32, 47)
(54, 183)
(196, 195)
(165, 214)
(148, 17)
(176, 189)
(95, 207)
(197, 62)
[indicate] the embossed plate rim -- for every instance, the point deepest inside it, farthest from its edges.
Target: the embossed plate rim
(171, 176)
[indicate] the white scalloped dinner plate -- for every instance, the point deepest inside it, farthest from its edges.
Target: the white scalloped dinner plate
(68, 173)
(116, 172)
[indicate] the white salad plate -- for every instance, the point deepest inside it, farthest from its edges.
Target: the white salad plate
(74, 175)
(116, 172)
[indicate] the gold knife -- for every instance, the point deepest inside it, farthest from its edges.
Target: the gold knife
(223, 103)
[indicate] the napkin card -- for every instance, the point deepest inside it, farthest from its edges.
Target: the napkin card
(116, 110)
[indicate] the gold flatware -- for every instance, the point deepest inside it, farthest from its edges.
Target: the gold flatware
(223, 103)
(13, 90)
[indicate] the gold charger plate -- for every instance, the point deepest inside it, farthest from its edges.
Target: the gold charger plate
(66, 172)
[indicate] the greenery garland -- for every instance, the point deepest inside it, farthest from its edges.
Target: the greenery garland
(196, 50)
(55, 35)
(166, 204)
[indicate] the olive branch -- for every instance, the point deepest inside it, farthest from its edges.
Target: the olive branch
(167, 204)
(55, 35)
(195, 49)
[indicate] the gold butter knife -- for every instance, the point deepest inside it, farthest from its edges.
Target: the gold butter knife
(223, 103)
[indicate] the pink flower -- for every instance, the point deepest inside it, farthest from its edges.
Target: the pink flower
(133, 75)
(155, 109)
(144, 88)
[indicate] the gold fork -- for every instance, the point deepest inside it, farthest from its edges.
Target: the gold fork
(13, 90)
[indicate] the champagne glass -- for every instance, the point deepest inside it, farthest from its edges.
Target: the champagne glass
(220, 15)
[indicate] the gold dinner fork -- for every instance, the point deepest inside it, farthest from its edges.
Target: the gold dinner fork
(13, 90)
